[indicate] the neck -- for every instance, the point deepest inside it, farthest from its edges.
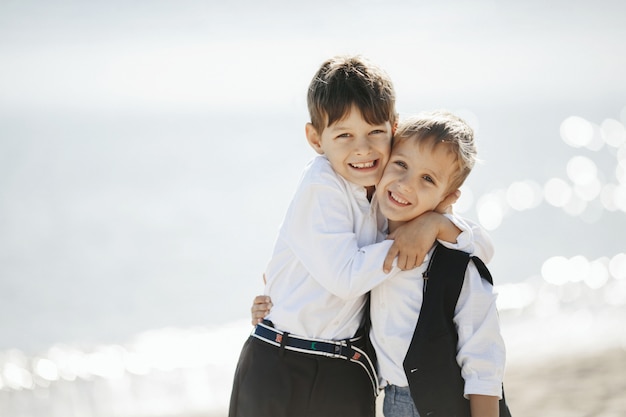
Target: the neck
(394, 224)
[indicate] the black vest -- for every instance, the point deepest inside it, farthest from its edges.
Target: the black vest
(430, 364)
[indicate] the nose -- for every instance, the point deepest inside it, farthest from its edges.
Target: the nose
(362, 145)
(405, 184)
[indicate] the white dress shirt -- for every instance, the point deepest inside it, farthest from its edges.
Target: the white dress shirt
(325, 259)
(395, 308)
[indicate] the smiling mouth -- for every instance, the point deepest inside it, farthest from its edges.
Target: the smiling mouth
(364, 165)
(398, 199)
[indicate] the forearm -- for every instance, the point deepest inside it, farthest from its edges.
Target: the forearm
(346, 271)
(448, 231)
(484, 405)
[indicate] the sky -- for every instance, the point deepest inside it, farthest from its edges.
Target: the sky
(196, 54)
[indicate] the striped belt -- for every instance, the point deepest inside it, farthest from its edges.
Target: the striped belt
(337, 349)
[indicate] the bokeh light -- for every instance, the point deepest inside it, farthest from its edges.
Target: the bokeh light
(597, 274)
(613, 133)
(559, 270)
(581, 170)
(617, 266)
(607, 197)
(46, 369)
(557, 192)
(524, 195)
(589, 191)
(576, 131)
(556, 270)
(490, 211)
(619, 197)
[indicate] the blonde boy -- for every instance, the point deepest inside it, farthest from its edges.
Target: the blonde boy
(432, 154)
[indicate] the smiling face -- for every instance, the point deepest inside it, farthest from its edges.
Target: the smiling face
(416, 179)
(357, 150)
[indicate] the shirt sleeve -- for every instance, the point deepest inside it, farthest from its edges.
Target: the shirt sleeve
(473, 239)
(481, 351)
(320, 230)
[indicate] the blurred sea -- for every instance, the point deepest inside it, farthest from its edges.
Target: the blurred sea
(132, 248)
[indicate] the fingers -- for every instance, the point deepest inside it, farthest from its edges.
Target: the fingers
(406, 263)
(260, 309)
(261, 299)
(391, 255)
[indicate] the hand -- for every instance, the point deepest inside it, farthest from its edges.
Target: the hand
(261, 306)
(445, 207)
(412, 241)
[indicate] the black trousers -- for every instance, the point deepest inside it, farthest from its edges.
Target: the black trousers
(274, 382)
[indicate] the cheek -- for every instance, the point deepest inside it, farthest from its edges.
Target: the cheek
(438, 199)
(431, 199)
(385, 149)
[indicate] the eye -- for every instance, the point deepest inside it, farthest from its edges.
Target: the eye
(401, 164)
(343, 135)
(377, 132)
(428, 178)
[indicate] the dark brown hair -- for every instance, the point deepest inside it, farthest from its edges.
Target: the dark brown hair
(344, 81)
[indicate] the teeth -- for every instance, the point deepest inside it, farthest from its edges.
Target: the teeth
(363, 164)
(398, 199)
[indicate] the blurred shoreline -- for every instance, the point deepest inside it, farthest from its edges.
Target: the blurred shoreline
(567, 358)
(573, 385)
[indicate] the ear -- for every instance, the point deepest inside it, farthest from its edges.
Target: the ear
(314, 138)
(445, 206)
(394, 128)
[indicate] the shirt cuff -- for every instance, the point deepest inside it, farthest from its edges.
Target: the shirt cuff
(465, 240)
(476, 386)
